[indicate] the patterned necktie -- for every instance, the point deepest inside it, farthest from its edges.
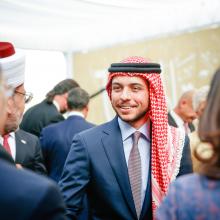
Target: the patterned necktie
(134, 171)
(6, 144)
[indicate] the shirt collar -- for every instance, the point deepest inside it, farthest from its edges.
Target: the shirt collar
(74, 113)
(177, 118)
(56, 105)
(127, 130)
(11, 134)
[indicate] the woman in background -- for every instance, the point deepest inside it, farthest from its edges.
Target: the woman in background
(197, 196)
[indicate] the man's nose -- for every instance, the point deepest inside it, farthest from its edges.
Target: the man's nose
(194, 116)
(125, 94)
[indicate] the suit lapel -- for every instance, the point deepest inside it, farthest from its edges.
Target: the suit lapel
(113, 147)
(20, 142)
(171, 121)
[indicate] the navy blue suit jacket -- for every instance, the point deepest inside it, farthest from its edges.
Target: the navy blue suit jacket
(96, 165)
(56, 140)
(28, 196)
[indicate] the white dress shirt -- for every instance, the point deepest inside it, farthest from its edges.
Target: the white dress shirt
(143, 146)
(75, 113)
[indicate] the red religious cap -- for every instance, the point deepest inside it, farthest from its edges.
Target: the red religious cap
(6, 49)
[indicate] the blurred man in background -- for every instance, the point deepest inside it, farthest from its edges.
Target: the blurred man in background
(183, 114)
(49, 110)
(56, 139)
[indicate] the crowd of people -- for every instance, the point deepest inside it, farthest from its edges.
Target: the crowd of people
(146, 163)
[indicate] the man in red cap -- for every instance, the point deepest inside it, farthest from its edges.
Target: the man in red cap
(23, 147)
(125, 166)
(24, 195)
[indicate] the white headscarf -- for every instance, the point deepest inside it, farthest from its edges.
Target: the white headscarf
(12, 65)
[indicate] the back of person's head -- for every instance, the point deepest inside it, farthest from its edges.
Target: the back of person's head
(61, 88)
(77, 99)
(199, 99)
(184, 107)
(209, 128)
(187, 96)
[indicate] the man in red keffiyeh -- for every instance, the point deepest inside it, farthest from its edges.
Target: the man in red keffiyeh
(126, 177)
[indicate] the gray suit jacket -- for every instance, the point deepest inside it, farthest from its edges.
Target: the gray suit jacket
(28, 151)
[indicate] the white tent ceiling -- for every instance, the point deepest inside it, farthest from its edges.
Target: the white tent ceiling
(76, 25)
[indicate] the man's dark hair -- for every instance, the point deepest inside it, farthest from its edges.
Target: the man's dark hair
(209, 129)
(77, 99)
(61, 88)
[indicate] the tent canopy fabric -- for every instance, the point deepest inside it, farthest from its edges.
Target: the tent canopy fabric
(81, 25)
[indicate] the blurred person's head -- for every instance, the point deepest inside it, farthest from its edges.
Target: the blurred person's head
(199, 100)
(184, 107)
(60, 92)
(78, 100)
(209, 129)
(12, 63)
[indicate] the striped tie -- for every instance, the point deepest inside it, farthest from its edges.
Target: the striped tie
(134, 170)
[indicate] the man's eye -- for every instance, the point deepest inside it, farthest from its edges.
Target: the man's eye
(116, 88)
(136, 88)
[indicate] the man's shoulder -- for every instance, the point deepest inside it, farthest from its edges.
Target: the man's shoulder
(98, 129)
(41, 107)
(36, 106)
(26, 134)
(31, 188)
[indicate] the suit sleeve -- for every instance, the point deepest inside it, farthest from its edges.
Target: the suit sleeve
(39, 166)
(45, 147)
(186, 161)
(51, 205)
(75, 177)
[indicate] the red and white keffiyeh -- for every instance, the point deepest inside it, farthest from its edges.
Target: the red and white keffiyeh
(167, 142)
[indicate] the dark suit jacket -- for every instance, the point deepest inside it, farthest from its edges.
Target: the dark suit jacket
(172, 122)
(4, 155)
(96, 165)
(56, 140)
(40, 116)
(28, 151)
(28, 196)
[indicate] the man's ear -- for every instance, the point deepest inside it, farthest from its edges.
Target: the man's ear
(183, 102)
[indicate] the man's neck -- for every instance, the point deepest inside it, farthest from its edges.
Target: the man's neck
(75, 113)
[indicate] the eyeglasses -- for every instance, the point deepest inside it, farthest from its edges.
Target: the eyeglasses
(28, 96)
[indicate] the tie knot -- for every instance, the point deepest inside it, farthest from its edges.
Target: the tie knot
(136, 136)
